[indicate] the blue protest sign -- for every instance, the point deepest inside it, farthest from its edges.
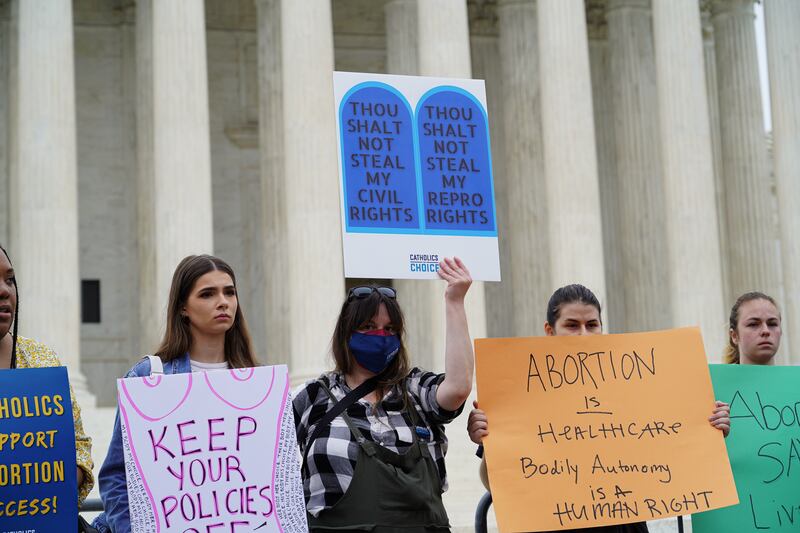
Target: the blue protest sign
(453, 132)
(378, 152)
(415, 171)
(38, 471)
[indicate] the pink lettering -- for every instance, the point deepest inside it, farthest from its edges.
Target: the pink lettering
(215, 477)
(177, 476)
(267, 500)
(158, 444)
(212, 434)
(191, 513)
(240, 432)
(216, 504)
(228, 502)
(200, 478)
(200, 508)
(248, 498)
(166, 512)
(232, 464)
(184, 440)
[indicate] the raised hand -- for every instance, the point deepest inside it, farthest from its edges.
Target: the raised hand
(458, 278)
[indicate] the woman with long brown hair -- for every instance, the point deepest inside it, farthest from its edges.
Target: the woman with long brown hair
(205, 330)
(372, 430)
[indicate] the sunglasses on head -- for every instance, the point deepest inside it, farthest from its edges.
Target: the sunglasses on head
(364, 291)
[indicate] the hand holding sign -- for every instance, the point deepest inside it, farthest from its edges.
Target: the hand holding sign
(456, 274)
(477, 424)
(721, 417)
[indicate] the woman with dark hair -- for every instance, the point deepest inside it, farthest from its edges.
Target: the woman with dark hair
(754, 330)
(372, 430)
(19, 352)
(205, 330)
(575, 310)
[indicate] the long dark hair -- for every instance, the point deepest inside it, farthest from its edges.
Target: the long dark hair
(731, 354)
(16, 317)
(354, 314)
(567, 295)
(178, 337)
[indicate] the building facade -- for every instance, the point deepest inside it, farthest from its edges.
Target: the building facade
(627, 140)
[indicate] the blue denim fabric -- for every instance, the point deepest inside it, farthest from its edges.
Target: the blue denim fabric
(111, 479)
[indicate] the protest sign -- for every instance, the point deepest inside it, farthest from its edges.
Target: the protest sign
(416, 176)
(212, 452)
(763, 447)
(600, 429)
(38, 472)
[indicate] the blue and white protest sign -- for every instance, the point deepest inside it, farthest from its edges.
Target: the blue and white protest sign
(38, 471)
(416, 176)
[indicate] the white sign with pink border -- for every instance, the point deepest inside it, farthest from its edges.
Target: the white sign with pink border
(212, 452)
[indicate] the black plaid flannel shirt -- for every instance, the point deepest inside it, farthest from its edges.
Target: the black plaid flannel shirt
(332, 458)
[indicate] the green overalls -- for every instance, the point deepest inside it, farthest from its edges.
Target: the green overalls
(389, 492)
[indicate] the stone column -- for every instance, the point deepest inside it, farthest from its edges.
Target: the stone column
(151, 303)
(273, 185)
(174, 158)
(485, 51)
(712, 91)
(443, 39)
(420, 309)
(44, 181)
(313, 223)
(783, 47)
(401, 37)
(641, 206)
(752, 256)
(443, 50)
(182, 152)
(575, 226)
(5, 60)
(695, 281)
(602, 99)
(134, 344)
(527, 220)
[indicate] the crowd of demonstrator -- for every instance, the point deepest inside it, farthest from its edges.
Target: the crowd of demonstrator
(388, 443)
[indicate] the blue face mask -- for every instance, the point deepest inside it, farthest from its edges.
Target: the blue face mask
(374, 350)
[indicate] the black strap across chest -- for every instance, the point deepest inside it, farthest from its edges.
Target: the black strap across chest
(352, 397)
(340, 407)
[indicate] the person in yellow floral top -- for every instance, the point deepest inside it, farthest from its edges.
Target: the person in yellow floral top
(19, 352)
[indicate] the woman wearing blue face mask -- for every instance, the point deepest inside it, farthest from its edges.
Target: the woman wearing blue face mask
(372, 430)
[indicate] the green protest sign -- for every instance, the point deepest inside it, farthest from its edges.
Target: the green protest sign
(763, 447)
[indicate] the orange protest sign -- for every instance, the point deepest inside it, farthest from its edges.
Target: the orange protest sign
(600, 429)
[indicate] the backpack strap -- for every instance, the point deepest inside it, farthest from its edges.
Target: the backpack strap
(156, 365)
(351, 397)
